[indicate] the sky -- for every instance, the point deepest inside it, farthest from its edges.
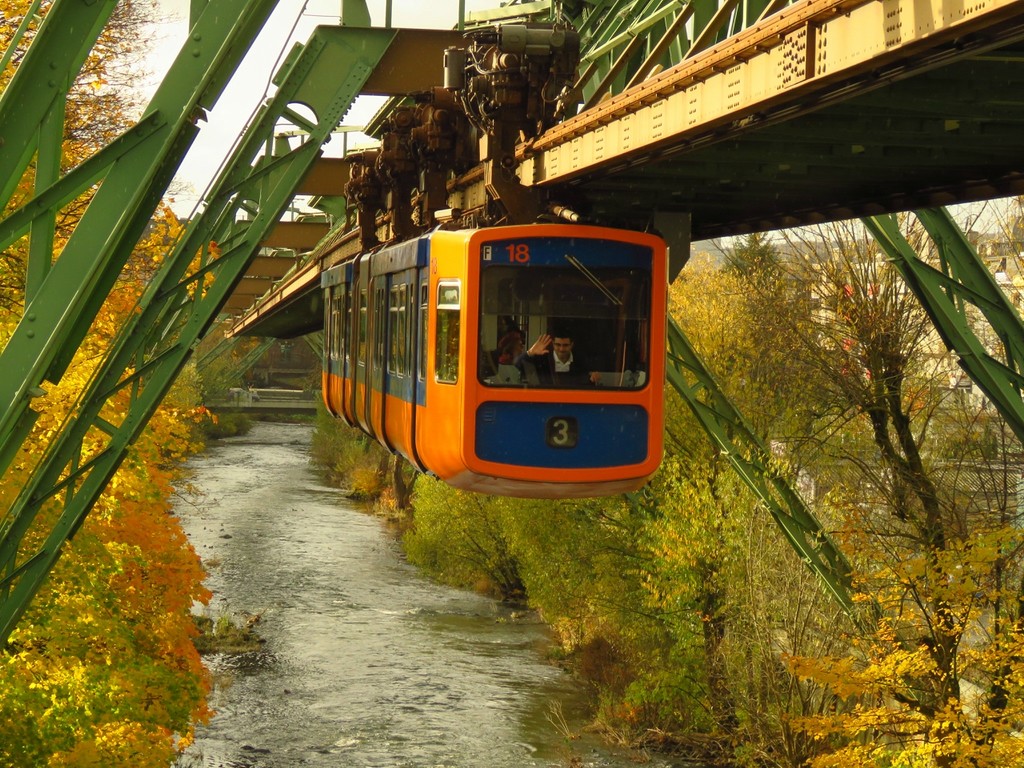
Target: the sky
(291, 21)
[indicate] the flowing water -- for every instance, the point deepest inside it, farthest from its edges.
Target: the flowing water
(366, 663)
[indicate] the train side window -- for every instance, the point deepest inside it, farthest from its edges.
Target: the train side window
(339, 307)
(397, 314)
(421, 360)
(446, 340)
(378, 330)
(343, 340)
(334, 328)
(402, 329)
(362, 327)
(393, 317)
(329, 310)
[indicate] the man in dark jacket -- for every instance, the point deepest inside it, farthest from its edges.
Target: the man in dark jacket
(552, 358)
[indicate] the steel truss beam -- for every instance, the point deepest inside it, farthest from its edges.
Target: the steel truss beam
(37, 91)
(625, 40)
(181, 302)
(962, 280)
(753, 462)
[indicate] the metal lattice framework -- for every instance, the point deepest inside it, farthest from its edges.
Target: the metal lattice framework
(183, 298)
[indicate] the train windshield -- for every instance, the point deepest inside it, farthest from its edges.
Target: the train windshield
(566, 320)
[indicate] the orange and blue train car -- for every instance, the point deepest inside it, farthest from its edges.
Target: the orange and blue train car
(421, 354)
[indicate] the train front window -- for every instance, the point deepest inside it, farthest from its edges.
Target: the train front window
(446, 338)
(565, 323)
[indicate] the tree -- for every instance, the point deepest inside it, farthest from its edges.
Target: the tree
(105, 650)
(934, 681)
(723, 557)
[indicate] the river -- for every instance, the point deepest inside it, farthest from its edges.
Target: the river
(366, 662)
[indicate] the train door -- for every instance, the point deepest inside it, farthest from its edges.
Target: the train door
(399, 405)
(377, 360)
(419, 301)
(335, 348)
(345, 342)
(361, 345)
(439, 425)
(327, 360)
(396, 276)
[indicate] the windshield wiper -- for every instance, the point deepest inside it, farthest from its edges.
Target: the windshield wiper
(594, 279)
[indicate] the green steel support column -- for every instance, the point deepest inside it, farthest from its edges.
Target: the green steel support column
(752, 461)
(40, 254)
(180, 304)
(42, 79)
(63, 306)
(222, 347)
(944, 294)
(214, 382)
(250, 358)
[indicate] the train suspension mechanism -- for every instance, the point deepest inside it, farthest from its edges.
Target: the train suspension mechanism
(506, 87)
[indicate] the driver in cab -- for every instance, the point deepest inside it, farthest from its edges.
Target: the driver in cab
(551, 356)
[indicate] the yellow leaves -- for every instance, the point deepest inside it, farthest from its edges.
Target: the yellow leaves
(110, 633)
(921, 686)
(835, 673)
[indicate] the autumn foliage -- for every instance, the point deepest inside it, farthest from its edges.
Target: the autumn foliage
(102, 670)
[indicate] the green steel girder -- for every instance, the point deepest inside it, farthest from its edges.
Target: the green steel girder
(206, 358)
(753, 462)
(33, 111)
(180, 304)
(945, 293)
(315, 341)
(59, 193)
(624, 39)
(68, 294)
(42, 79)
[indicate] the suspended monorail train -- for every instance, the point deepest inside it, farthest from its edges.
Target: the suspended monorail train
(522, 360)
